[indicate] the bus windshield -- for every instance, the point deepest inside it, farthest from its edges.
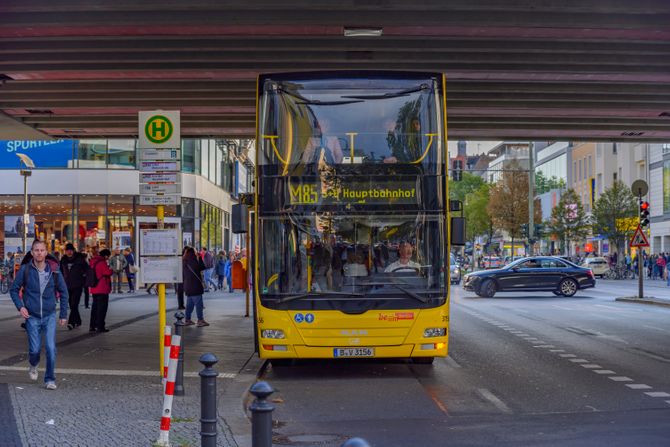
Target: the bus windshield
(312, 122)
(335, 257)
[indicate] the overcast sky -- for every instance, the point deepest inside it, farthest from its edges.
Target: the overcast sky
(474, 147)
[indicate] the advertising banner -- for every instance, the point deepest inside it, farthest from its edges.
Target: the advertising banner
(45, 153)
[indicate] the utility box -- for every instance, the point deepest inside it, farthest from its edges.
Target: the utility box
(458, 231)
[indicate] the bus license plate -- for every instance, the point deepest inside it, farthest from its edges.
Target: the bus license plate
(353, 352)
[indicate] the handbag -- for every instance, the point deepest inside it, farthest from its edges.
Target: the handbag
(204, 286)
(134, 269)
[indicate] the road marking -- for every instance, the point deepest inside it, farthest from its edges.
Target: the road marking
(557, 350)
(638, 386)
(451, 362)
(112, 372)
(655, 328)
(439, 404)
(657, 394)
(565, 356)
(603, 371)
(621, 379)
(579, 361)
(591, 366)
(499, 404)
(544, 346)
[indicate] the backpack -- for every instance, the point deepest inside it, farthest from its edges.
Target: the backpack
(92, 276)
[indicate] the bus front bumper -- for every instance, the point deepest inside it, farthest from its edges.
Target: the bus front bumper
(436, 348)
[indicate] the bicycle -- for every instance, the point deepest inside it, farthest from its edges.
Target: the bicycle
(619, 272)
(5, 280)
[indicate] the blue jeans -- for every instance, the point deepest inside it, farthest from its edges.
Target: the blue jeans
(35, 328)
(208, 277)
(191, 302)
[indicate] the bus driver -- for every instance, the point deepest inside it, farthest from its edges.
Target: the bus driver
(404, 261)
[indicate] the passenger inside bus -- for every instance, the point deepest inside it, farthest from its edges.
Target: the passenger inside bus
(404, 262)
(323, 146)
(405, 142)
(355, 266)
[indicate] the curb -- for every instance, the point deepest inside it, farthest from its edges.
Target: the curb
(646, 300)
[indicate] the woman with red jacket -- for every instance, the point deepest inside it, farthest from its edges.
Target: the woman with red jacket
(100, 291)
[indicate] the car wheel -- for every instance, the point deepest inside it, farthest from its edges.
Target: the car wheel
(557, 293)
(488, 289)
(568, 287)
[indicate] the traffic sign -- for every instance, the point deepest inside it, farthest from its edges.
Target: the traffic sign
(169, 199)
(159, 129)
(639, 188)
(161, 188)
(163, 177)
(160, 166)
(639, 238)
(160, 154)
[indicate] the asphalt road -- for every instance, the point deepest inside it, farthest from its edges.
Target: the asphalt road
(525, 369)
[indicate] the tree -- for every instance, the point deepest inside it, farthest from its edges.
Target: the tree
(545, 184)
(469, 184)
(569, 220)
(612, 213)
(476, 212)
(508, 203)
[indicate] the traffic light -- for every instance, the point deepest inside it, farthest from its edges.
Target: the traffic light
(457, 170)
(539, 230)
(524, 230)
(644, 213)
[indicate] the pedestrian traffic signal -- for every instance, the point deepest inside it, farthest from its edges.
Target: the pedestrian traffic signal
(457, 170)
(644, 214)
(524, 230)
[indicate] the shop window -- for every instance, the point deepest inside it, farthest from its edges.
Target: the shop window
(188, 155)
(93, 205)
(187, 207)
(120, 205)
(147, 210)
(121, 154)
(92, 153)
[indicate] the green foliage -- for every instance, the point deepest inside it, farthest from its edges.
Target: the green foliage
(467, 185)
(610, 211)
(477, 218)
(544, 184)
(569, 221)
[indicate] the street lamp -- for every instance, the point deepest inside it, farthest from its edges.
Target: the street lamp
(27, 164)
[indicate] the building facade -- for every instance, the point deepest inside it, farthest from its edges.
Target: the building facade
(87, 192)
(659, 198)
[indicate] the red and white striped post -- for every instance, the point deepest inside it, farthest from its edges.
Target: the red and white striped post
(164, 438)
(167, 335)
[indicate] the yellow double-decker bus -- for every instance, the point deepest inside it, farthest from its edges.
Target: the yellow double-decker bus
(351, 216)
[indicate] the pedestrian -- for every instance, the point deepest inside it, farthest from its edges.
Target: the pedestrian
(90, 253)
(73, 265)
(42, 285)
(221, 268)
(100, 291)
(118, 264)
(208, 260)
(193, 267)
(130, 269)
(229, 270)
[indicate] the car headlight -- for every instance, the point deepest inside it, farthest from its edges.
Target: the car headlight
(435, 332)
(457, 271)
(272, 333)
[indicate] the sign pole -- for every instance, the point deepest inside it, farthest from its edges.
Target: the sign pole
(640, 267)
(160, 217)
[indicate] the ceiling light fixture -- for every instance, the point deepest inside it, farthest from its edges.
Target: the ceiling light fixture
(362, 32)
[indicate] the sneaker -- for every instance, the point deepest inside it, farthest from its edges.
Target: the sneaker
(189, 322)
(202, 323)
(51, 386)
(32, 373)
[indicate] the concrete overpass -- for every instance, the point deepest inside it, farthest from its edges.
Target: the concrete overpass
(524, 69)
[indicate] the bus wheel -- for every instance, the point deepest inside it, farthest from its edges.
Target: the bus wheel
(423, 360)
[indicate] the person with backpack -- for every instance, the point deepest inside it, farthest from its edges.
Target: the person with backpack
(73, 265)
(100, 282)
(42, 285)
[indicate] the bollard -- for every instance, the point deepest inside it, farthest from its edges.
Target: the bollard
(208, 417)
(166, 416)
(261, 415)
(356, 442)
(167, 342)
(178, 330)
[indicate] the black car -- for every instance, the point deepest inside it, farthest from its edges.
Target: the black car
(542, 273)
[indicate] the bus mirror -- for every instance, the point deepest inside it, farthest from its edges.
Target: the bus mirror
(458, 231)
(455, 205)
(240, 216)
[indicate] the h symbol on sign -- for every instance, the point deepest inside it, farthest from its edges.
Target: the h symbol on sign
(156, 128)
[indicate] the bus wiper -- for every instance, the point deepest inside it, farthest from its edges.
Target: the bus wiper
(309, 294)
(390, 95)
(316, 102)
(409, 293)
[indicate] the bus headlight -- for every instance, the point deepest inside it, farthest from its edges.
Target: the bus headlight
(272, 333)
(435, 332)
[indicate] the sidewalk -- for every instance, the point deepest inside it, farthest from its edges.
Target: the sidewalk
(109, 389)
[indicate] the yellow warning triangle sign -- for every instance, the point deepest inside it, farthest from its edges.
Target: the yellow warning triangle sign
(639, 239)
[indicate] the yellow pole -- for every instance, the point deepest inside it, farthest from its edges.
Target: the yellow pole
(160, 216)
(246, 313)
